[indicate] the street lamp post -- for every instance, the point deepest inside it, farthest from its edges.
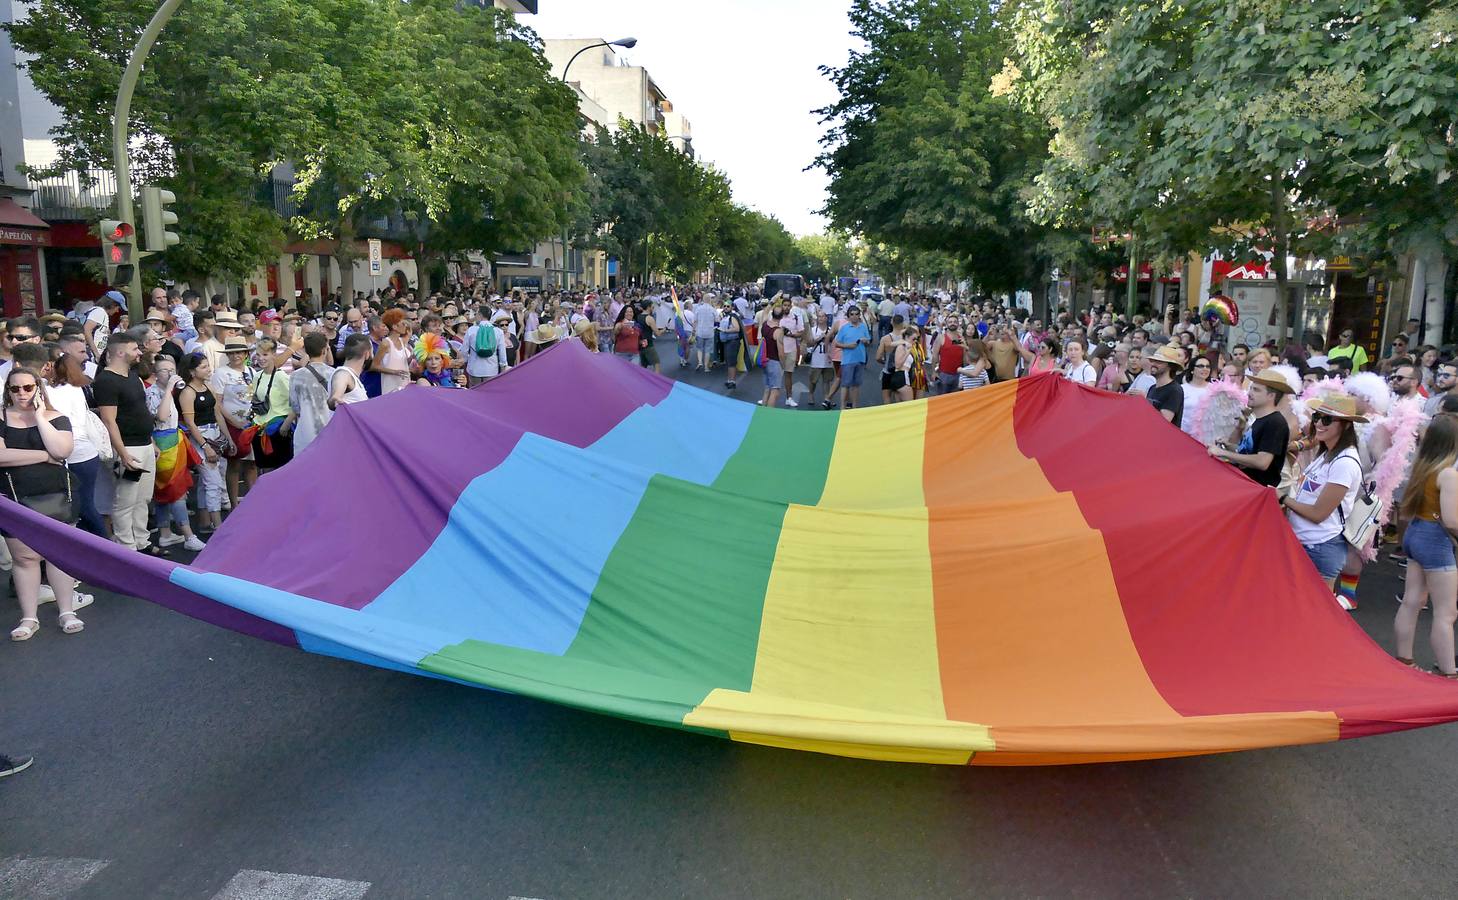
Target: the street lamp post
(627, 43)
(120, 161)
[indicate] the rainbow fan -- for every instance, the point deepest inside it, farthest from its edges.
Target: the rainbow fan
(1221, 310)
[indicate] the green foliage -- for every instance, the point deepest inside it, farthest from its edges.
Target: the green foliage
(642, 190)
(1236, 125)
(444, 110)
(754, 244)
(825, 257)
(922, 154)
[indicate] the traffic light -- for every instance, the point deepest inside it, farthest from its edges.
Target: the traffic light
(155, 219)
(116, 251)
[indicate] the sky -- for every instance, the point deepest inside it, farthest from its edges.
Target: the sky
(746, 75)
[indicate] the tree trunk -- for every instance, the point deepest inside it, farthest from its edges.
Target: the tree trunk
(1280, 231)
(422, 271)
(344, 255)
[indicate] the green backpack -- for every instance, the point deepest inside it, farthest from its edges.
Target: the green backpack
(485, 339)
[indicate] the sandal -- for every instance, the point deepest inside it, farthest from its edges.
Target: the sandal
(1406, 662)
(1452, 676)
(25, 632)
(72, 626)
(81, 601)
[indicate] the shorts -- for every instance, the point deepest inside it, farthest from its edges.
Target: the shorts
(629, 358)
(1328, 556)
(773, 375)
(1427, 543)
(850, 373)
(731, 350)
(648, 356)
(787, 362)
(893, 380)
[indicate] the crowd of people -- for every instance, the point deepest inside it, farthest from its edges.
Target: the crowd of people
(149, 433)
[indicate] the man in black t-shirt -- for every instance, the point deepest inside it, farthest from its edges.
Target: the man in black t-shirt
(1262, 451)
(1167, 395)
(121, 402)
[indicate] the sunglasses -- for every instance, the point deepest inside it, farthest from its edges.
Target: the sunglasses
(22, 337)
(1322, 419)
(22, 389)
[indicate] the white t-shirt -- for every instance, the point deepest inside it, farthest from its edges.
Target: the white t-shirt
(102, 334)
(1141, 384)
(71, 402)
(1194, 396)
(1083, 373)
(1344, 469)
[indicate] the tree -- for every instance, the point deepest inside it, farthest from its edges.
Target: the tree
(1243, 125)
(226, 85)
(754, 244)
(922, 155)
(444, 111)
(642, 191)
(825, 257)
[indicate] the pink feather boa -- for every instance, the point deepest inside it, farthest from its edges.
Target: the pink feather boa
(1220, 414)
(1403, 421)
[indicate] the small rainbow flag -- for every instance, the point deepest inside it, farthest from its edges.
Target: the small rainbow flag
(761, 353)
(680, 324)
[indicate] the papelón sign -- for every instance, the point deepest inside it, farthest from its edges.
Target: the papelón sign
(10, 234)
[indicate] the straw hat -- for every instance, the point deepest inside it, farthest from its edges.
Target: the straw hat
(582, 327)
(237, 345)
(156, 315)
(1273, 380)
(227, 321)
(501, 315)
(1337, 406)
(1167, 355)
(545, 334)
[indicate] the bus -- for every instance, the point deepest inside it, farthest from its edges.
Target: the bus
(789, 285)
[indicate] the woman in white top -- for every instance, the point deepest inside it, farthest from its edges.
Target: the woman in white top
(1321, 500)
(395, 356)
(1196, 387)
(1075, 367)
(821, 369)
(68, 395)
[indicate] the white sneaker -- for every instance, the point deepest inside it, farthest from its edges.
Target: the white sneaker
(47, 594)
(193, 544)
(1344, 603)
(171, 540)
(791, 402)
(227, 504)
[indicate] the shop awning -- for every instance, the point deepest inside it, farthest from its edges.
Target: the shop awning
(19, 225)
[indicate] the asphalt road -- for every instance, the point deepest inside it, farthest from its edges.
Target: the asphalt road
(176, 760)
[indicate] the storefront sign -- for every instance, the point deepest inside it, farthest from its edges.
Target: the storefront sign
(29, 237)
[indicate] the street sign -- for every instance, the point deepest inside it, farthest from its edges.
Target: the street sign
(377, 266)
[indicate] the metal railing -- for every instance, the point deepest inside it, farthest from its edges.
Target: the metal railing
(74, 195)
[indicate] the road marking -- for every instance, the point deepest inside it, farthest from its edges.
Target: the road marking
(45, 878)
(252, 884)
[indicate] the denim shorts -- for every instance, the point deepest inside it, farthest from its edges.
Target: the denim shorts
(1427, 543)
(1329, 556)
(850, 374)
(773, 374)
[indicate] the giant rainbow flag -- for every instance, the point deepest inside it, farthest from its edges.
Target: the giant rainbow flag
(1029, 573)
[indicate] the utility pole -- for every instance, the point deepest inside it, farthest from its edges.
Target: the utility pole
(119, 142)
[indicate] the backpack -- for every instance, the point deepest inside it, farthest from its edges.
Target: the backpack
(485, 340)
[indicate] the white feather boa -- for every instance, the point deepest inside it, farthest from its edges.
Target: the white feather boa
(1221, 415)
(1402, 423)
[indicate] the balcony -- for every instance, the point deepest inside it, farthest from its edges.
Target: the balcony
(73, 196)
(82, 196)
